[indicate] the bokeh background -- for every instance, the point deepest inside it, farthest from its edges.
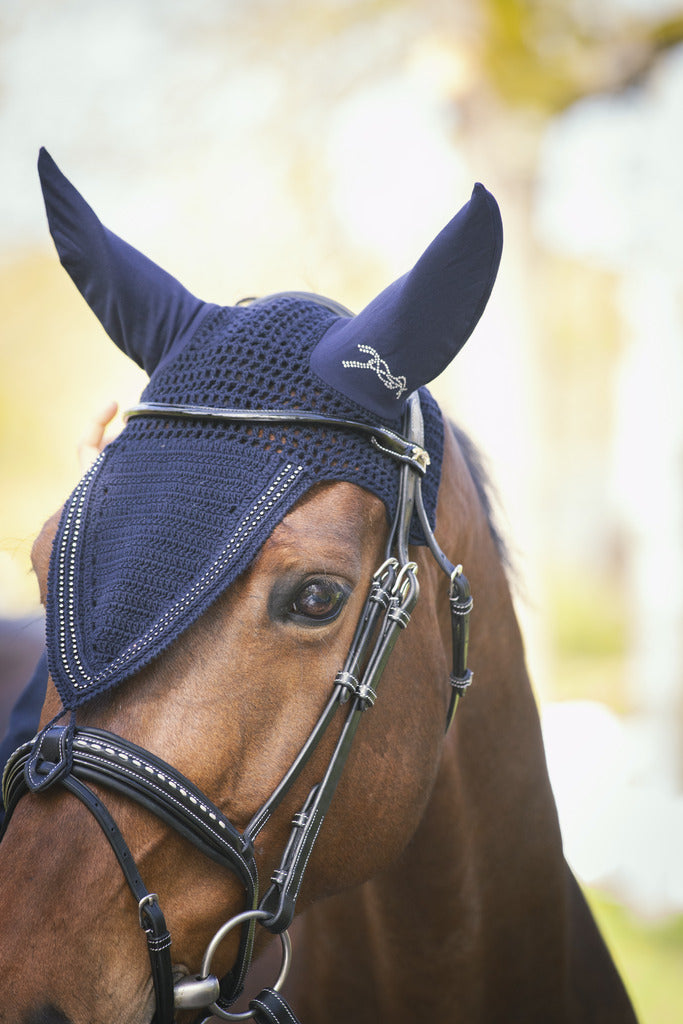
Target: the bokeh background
(255, 145)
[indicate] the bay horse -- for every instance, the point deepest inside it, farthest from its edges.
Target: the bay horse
(201, 726)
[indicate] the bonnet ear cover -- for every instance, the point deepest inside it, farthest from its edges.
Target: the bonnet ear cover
(197, 500)
(407, 335)
(144, 310)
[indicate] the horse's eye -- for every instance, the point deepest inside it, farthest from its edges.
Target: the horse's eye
(319, 600)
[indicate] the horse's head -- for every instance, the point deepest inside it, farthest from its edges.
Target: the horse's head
(223, 591)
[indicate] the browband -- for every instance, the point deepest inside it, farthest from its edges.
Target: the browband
(388, 441)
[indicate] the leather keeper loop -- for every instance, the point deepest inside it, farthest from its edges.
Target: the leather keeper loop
(379, 595)
(367, 696)
(349, 682)
(51, 757)
(461, 683)
(399, 615)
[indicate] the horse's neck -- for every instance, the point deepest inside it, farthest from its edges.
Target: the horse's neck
(478, 920)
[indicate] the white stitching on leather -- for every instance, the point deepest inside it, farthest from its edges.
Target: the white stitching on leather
(283, 1004)
(92, 746)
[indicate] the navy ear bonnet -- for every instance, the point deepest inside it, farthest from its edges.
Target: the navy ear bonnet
(174, 510)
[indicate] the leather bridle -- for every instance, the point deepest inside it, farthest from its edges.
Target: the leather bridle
(73, 756)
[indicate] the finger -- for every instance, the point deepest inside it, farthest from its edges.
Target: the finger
(92, 442)
(95, 432)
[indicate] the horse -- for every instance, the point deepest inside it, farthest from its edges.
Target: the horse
(313, 725)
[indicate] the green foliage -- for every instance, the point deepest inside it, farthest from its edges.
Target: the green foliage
(589, 639)
(588, 618)
(649, 956)
(528, 53)
(546, 54)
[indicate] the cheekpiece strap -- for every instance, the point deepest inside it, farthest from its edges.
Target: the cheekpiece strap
(461, 602)
(159, 948)
(365, 663)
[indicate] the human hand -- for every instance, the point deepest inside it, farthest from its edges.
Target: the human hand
(93, 440)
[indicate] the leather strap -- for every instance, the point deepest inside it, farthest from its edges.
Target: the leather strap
(386, 440)
(461, 603)
(98, 756)
(346, 686)
(27, 770)
(280, 899)
(269, 1007)
(159, 949)
(151, 917)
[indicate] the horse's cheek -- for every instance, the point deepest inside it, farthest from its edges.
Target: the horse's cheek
(386, 784)
(58, 912)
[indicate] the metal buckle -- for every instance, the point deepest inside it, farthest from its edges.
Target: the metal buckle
(147, 900)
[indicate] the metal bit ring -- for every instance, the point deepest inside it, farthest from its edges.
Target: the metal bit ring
(247, 915)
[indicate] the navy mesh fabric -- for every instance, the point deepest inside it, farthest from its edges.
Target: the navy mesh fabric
(174, 510)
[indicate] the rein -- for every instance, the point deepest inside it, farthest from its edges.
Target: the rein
(74, 756)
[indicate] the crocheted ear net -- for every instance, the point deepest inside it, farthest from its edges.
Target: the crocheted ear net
(174, 510)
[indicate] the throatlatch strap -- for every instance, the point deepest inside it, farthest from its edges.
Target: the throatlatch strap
(269, 1007)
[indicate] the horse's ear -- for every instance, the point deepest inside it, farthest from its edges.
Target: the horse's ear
(144, 310)
(415, 327)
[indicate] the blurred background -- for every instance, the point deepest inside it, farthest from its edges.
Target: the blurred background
(256, 145)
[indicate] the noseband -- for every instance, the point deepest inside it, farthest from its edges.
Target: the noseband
(74, 756)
